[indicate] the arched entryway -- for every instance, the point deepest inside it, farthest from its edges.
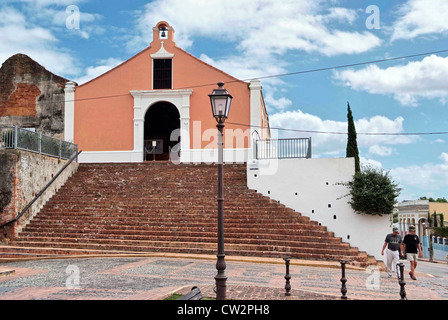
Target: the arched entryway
(161, 120)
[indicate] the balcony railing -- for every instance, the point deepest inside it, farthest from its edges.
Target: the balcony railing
(24, 139)
(284, 149)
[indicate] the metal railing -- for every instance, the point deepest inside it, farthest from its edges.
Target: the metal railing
(24, 139)
(284, 149)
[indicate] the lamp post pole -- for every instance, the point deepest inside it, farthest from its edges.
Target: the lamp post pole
(220, 100)
(221, 278)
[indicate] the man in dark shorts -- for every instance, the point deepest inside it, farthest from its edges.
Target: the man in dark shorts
(413, 250)
(392, 245)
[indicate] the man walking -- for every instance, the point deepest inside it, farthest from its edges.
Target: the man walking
(411, 244)
(393, 244)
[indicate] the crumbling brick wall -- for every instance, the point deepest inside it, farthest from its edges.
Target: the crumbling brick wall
(31, 96)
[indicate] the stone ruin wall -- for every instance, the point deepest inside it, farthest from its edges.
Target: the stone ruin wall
(31, 96)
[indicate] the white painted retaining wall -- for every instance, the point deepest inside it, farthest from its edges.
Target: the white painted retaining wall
(310, 187)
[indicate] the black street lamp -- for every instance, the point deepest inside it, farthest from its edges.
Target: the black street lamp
(220, 100)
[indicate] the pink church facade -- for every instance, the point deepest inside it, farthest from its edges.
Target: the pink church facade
(155, 106)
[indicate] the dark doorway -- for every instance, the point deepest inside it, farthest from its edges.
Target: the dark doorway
(161, 120)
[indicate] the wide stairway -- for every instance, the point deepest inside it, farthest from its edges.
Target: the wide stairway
(167, 208)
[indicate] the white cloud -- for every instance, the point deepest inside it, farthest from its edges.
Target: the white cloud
(423, 176)
(366, 162)
(19, 36)
(35, 30)
(246, 69)
(380, 150)
(45, 3)
(280, 104)
(333, 143)
(421, 17)
(93, 72)
(406, 83)
(262, 27)
(262, 31)
(41, 12)
(341, 14)
(444, 157)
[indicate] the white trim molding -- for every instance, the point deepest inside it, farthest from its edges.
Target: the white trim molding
(162, 53)
(69, 112)
(144, 99)
(195, 156)
(210, 156)
(255, 116)
(110, 157)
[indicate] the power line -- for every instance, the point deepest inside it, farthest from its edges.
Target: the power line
(289, 74)
(345, 133)
(312, 71)
(352, 65)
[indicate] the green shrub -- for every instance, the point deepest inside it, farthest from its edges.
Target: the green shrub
(373, 192)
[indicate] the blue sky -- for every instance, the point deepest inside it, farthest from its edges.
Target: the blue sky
(250, 39)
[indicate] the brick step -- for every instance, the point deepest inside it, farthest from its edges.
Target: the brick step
(167, 205)
(310, 242)
(48, 232)
(173, 218)
(165, 212)
(154, 166)
(138, 197)
(183, 229)
(45, 251)
(119, 197)
(94, 180)
(180, 240)
(154, 192)
(230, 183)
(183, 247)
(285, 227)
(35, 251)
(162, 207)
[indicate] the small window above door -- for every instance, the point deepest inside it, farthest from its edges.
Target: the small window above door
(162, 74)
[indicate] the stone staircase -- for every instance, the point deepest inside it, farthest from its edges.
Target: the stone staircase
(123, 209)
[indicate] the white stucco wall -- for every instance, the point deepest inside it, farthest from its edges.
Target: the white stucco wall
(310, 186)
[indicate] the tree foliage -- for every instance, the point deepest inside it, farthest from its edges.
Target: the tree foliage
(373, 192)
(441, 232)
(352, 144)
(431, 199)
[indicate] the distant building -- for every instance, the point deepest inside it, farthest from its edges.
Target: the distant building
(415, 212)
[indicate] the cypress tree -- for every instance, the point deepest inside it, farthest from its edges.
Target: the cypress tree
(436, 223)
(352, 144)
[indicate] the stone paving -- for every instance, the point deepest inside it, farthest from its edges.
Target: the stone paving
(157, 277)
